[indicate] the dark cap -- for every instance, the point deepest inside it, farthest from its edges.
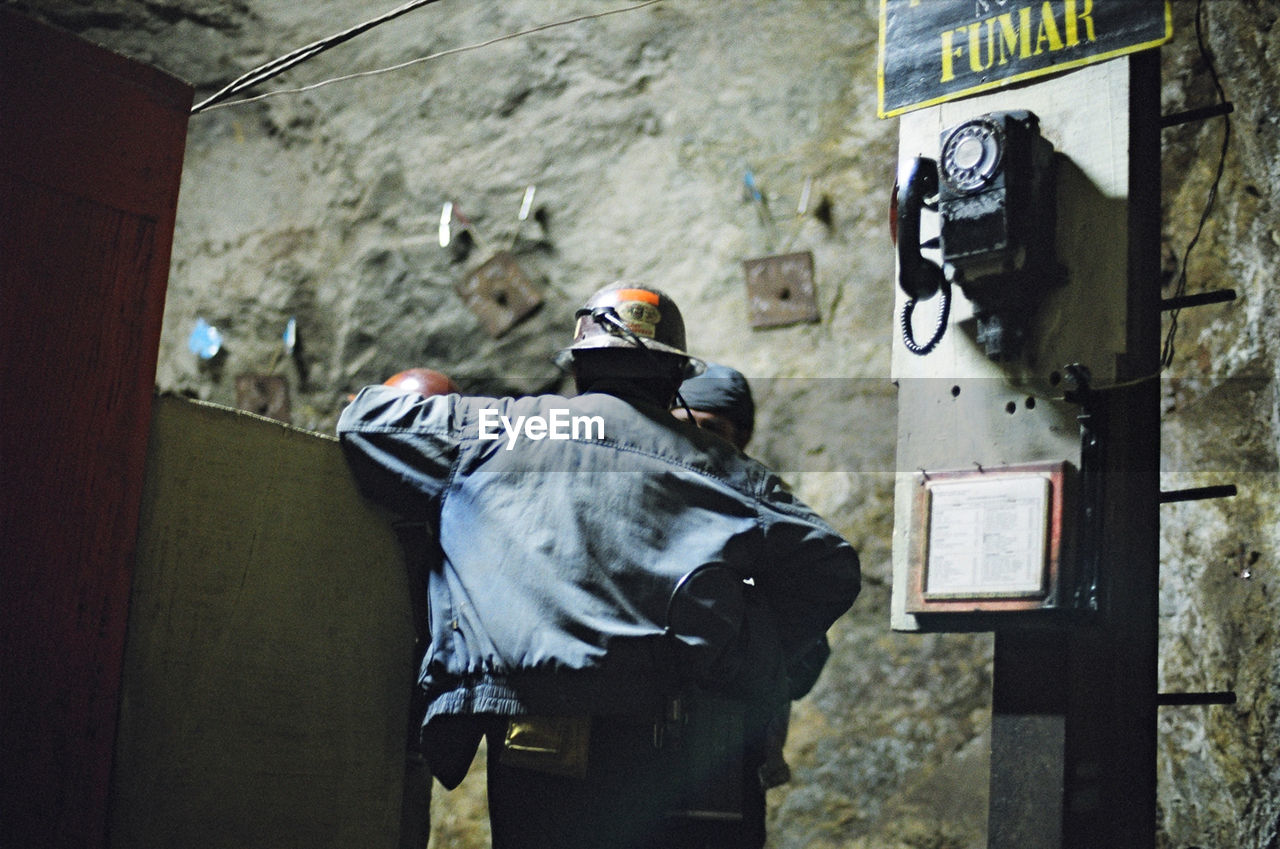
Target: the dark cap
(725, 392)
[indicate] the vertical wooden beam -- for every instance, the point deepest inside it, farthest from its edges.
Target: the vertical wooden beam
(1076, 710)
(1131, 520)
(1028, 740)
(1073, 700)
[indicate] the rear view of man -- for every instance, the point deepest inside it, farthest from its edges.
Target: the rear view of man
(594, 558)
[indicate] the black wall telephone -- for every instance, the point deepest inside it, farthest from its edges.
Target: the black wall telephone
(993, 189)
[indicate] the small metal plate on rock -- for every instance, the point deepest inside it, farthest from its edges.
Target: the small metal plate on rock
(780, 289)
(499, 293)
(264, 394)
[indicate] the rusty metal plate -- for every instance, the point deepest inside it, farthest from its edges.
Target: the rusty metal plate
(780, 289)
(264, 394)
(499, 294)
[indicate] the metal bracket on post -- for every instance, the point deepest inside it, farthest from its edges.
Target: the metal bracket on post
(1199, 299)
(1092, 486)
(1198, 493)
(1213, 697)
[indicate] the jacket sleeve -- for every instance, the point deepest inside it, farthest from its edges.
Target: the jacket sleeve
(810, 575)
(401, 447)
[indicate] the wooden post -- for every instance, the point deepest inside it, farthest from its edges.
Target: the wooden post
(1074, 685)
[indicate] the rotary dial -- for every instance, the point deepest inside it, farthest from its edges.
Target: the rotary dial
(971, 155)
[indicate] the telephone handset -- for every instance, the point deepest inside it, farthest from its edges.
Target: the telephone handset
(919, 277)
(994, 193)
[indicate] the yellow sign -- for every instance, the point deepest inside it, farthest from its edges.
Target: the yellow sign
(932, 51)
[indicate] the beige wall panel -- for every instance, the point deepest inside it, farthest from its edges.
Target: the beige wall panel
(267, 669)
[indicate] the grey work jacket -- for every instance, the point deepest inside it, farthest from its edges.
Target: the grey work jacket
(563, 535)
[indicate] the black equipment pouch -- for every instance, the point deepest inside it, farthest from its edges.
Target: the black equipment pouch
(705, 735)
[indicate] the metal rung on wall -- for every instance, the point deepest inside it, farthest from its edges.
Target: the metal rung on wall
(1199, 114)
(1199, 299)
(1213, 697)
(1198, 493)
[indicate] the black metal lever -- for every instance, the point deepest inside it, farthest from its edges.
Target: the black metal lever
(1199, 299)
(1214, 697)
(1199, 114)
(1198, 493)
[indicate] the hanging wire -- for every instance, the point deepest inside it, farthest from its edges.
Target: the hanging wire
(1166, 354)
(277, 66)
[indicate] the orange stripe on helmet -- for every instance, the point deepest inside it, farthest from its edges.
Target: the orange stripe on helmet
(642, 295)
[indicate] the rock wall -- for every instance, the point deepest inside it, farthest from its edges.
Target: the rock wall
(1219, 767)
(637, 130)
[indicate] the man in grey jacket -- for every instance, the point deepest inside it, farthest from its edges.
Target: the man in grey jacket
(596, 558)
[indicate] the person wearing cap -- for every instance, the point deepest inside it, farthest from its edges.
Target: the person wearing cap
(588, 581)
(421, 558)
(719, 400)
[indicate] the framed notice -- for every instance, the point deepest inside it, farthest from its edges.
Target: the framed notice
(989, 540)
(933, 51)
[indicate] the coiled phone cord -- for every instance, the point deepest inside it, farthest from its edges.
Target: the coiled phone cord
(944, 312)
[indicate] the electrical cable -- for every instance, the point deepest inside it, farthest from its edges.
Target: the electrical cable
(277, 66)
(1166, 354)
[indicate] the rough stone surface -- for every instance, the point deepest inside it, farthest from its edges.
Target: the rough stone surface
(637, 129)
(1219, 779)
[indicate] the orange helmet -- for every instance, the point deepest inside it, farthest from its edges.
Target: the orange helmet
(424, 381)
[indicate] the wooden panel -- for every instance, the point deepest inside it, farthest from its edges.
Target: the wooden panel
(269, 660)
(1073, 708)
(91, 150)
(957, 408)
